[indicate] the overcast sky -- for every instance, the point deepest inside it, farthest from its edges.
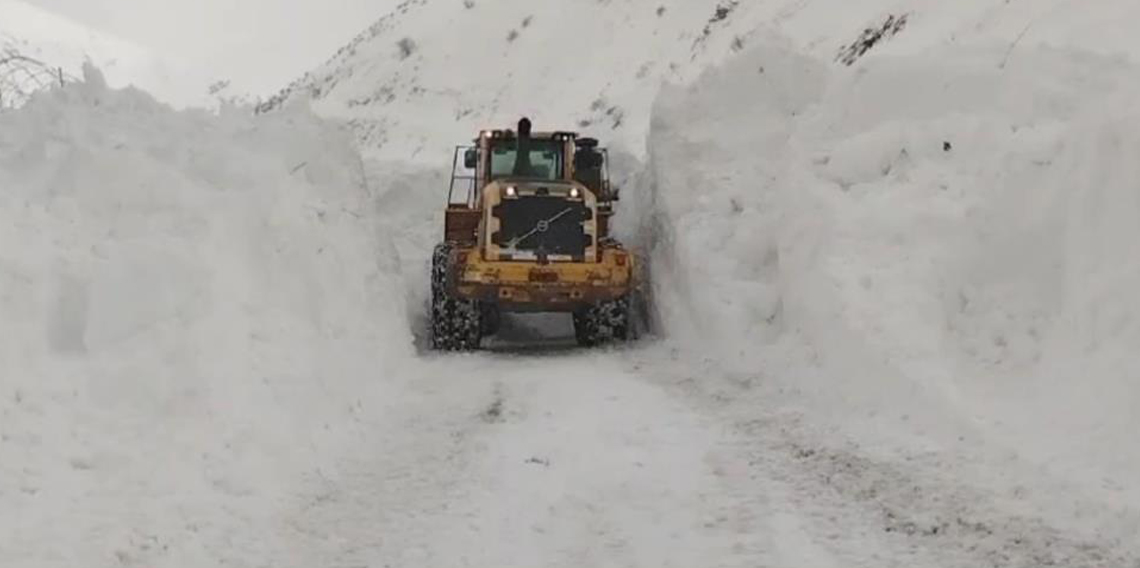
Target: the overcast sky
(259, 44)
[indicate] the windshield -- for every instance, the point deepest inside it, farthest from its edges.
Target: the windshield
(543, 160)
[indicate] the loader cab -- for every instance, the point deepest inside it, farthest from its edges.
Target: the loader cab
(542, 160)
(504, 155)
(498, 157)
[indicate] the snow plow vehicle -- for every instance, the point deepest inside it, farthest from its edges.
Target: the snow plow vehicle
(532, 235)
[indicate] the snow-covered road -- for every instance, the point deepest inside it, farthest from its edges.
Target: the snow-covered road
(543, 458)
(551, 459)
(640, 457)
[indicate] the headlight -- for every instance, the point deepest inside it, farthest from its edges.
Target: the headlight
(574, 193)
(512, 191)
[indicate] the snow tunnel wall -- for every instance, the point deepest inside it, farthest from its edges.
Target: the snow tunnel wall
(931, 238)
(209, 290)
(708, 207)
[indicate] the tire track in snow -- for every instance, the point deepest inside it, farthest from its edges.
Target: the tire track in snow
(643, 457)
(368, 509)
(592, 467)
(563, 458)
(879, 508)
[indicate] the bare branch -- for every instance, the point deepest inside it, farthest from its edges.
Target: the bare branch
(22, 76)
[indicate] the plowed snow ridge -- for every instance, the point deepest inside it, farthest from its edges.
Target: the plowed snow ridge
(942, 233)
(191, 305)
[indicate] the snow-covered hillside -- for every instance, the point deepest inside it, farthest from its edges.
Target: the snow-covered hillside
(895, 300)
(63, 45)
(434, 71)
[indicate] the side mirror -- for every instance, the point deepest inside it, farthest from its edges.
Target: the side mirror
(588, 159)
(470, 159)
(612, 192)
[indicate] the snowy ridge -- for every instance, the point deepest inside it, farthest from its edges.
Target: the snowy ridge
(433, 71)
(467, 58)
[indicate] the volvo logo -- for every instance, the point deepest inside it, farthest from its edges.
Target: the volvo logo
(543, 226)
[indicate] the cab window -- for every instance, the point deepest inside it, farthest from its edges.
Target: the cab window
(543, 160)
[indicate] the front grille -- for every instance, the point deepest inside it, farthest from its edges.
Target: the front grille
(541, 225)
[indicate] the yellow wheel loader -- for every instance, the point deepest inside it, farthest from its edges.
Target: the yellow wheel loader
(532, 235)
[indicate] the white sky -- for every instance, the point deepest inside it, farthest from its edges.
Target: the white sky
(259, 44)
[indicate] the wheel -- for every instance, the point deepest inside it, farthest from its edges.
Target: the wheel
(456, 324)
(602, 323)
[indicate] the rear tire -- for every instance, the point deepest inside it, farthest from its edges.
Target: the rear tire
(456, 323)
(603, 323)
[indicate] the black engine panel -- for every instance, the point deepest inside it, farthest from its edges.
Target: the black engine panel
(542, 225)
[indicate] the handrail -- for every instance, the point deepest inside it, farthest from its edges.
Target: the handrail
(455, 176)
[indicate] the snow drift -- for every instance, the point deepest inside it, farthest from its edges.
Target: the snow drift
(194, 306)
(945, 240)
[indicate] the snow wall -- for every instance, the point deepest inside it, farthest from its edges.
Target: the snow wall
(181, 293)
(917, 241)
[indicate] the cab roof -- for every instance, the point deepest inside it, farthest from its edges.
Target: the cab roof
(508, 134)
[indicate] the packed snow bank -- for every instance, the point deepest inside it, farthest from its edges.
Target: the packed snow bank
(1084, 392)
(409, 205)
(948, 241)
(194, 306)
(707, 205)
